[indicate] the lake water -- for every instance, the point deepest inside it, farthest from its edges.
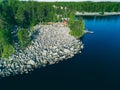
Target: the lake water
(97, 68)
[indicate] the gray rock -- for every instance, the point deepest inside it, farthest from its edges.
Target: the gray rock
(44, 53)
(55, 54)
(66, 51)
(82, 46)
(71, 49)
(29, 66)
(31, 62)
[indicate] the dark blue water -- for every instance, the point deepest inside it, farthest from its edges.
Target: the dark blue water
(97, 68)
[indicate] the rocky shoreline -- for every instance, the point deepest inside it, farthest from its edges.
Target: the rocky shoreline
(49, 45)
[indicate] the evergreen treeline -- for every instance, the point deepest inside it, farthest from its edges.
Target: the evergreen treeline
(91, 6)
(25, 14)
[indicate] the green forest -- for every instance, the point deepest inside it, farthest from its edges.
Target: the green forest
(25, 14)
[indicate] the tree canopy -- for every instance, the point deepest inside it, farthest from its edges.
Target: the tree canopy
(25, 14)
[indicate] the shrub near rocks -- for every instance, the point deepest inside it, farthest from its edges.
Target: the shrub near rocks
(23, 37)
(6, 47)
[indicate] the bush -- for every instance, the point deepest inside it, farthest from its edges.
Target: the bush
(23, 37)
(77, 28)
(6, 48)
